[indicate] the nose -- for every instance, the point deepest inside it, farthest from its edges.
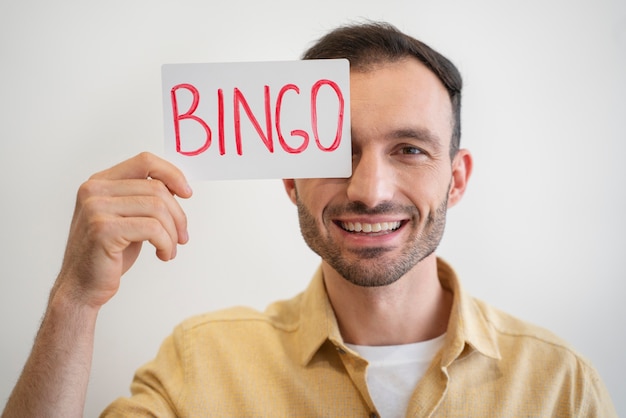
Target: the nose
(372, 181)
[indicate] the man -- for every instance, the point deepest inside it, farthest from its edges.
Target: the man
(384, 328)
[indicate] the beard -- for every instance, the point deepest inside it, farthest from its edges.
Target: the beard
(373, 266)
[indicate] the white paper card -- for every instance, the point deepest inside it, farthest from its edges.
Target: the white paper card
(258, 120)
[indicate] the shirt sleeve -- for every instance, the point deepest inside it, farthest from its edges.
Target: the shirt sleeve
(597, 401)
(156, 386)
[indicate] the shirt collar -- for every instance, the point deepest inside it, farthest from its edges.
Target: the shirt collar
(468, 328)
(317, 319)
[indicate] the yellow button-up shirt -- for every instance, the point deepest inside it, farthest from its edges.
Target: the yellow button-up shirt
(290, 361)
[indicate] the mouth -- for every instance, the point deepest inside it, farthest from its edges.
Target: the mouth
(370, 228)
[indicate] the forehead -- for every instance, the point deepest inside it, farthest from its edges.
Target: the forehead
(399, 95)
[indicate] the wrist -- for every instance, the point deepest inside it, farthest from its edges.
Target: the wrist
(67, 304)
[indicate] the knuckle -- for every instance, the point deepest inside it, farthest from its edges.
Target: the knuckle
(87, 189)
(157, 204)
(96, 176)
(144, 158)
(154, 228)
(92, 205)
(98, 227)
(183, 218)
(158, 187)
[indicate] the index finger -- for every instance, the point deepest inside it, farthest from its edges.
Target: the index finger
(147, 165)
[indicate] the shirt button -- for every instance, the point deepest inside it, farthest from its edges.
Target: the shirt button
(373, 415)
(341, 350)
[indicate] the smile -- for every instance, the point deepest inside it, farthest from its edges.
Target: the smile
(370, 228)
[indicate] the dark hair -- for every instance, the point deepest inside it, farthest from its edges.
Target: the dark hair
(366, 45)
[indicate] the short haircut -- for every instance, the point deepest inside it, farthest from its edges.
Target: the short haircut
(368, 44)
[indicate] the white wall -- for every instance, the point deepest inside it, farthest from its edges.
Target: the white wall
(540, 234)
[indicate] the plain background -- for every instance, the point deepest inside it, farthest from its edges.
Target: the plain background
(540, 232)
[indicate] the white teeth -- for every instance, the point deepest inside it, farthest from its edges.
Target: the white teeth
(363, 227)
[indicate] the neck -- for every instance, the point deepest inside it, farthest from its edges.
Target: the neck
(415, 308)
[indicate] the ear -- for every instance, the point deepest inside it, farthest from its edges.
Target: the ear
(290, 188)
(461, 170)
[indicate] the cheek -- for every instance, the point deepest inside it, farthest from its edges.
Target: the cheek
(312, 225)
(317, 194)
(427, 190)
(309, 208)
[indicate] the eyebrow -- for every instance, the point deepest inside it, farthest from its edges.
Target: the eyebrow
(419, 134)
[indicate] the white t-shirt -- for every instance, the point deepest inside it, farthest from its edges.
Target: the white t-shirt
(393, 372)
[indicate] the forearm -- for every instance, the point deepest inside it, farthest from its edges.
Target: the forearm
(116, 210)
(55, 377)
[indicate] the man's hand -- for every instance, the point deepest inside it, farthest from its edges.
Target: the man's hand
(116, 210)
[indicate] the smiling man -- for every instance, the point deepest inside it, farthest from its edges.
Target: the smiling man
(384, 328)
(377, 231)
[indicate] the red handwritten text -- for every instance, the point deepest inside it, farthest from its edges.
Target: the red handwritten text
(266, 133)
